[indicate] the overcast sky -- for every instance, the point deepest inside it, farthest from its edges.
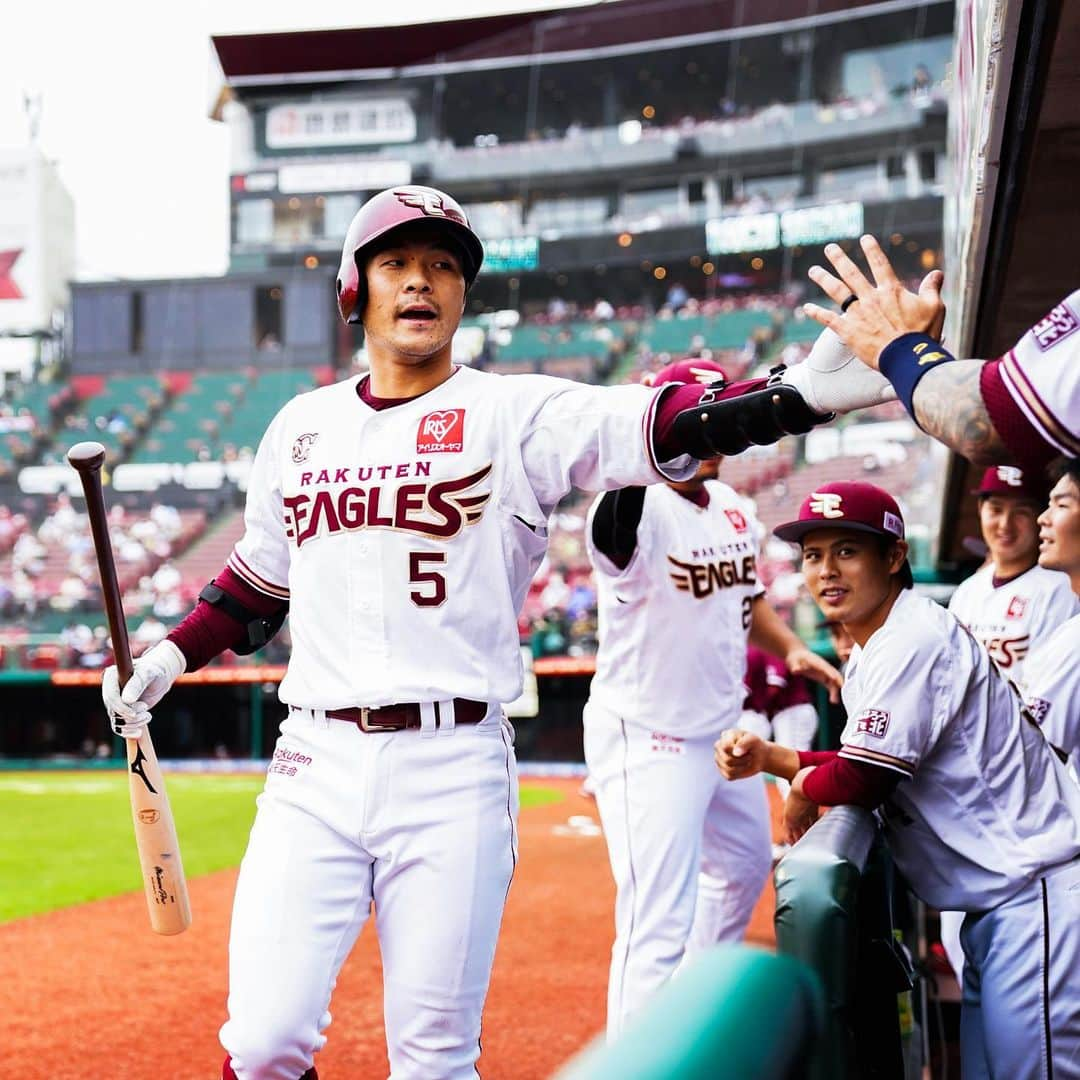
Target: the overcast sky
(126, 89)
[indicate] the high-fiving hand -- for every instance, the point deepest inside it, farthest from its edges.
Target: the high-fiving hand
(883, 310)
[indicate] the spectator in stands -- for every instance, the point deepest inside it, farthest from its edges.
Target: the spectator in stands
(11, 525)
(167, 519)
(549, 636)
(149, 632)
(677, 295)
(922, 84)
(603, 311)
(28, 555)
(70, 594)
(166, 582)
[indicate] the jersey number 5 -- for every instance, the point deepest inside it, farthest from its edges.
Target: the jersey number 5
(434, 592)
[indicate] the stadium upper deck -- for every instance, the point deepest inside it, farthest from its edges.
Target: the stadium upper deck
(596, 146)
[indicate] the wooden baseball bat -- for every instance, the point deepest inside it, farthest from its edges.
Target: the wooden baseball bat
(155, 831)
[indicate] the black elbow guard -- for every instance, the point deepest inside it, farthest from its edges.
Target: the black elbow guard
(760, 417)
(260, 628)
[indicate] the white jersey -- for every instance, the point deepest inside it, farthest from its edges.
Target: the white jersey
(1013, 617)
(1042, 376)
(673, 624)
(1052, 687)
(405, 538)
(985, 805)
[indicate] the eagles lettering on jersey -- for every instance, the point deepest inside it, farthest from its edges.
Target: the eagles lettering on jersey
(703, 579)
(440, 510)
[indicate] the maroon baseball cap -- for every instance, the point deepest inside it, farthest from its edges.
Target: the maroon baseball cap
(686, 371)
(1012, 480)
(849, 505)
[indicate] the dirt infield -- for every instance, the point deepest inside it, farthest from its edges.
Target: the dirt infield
(91, 992)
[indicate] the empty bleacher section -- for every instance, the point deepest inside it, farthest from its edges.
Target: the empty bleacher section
(191, 423)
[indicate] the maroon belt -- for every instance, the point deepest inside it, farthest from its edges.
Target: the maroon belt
(407, 715)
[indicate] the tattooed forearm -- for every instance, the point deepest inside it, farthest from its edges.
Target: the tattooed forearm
(949, 407)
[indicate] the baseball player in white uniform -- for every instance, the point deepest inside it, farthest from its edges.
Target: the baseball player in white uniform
(1010, 604)
(979, 811)
(1052, 676)
(400, 517)
(1023, 407)
(678, 596)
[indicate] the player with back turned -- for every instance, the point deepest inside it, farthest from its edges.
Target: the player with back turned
(980, 812)
(678, 597)
(399, 517)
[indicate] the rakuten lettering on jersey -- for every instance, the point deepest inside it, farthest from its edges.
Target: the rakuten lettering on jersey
(440, 509)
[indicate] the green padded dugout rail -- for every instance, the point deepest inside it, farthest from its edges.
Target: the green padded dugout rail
(833, 913)
(734, 1013)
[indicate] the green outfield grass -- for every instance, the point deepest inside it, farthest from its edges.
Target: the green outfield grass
(66, 838)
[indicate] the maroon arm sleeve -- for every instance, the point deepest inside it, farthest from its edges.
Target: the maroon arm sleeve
(841, 782)
(1027, 446)
(815, 757)
(680, 399)
(208, 631)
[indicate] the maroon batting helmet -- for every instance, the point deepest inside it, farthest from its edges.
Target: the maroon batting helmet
(686, 371)
(392, 209)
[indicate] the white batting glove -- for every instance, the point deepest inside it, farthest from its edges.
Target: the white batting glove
(832, 379)
(152, 675)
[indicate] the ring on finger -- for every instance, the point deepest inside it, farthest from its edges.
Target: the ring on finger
(848, 302)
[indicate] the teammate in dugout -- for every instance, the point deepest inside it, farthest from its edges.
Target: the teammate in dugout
(678, 596)
(1052, 678)
(1022, 407)
(980, 812)
(399, 517)
(1010, 604)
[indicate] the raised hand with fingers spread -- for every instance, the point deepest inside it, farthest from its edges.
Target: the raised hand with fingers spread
(882, 309)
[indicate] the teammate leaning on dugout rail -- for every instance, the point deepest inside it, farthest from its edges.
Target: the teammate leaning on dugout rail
(981, 813)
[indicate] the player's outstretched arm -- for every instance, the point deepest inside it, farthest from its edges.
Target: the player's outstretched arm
(948, 404)
(894, 330)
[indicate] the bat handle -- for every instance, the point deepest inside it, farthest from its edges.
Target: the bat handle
(90, 476)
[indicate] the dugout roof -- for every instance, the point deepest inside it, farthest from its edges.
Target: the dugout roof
(500, 40)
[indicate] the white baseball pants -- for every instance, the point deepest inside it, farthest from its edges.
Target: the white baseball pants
(689, 851)
(1020, 1018)
(420, 824)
